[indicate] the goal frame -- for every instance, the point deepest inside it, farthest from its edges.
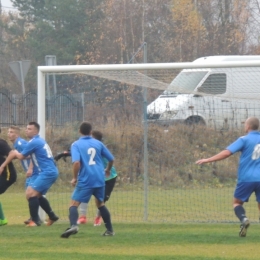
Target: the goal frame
(73, 69)
(43, 70)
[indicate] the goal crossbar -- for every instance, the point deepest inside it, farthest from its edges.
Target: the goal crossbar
(105, 69)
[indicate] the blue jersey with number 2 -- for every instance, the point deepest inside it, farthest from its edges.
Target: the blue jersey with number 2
(249, 164)
(89, 152)
(41, 156)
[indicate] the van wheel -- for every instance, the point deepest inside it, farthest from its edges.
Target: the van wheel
(195, 120)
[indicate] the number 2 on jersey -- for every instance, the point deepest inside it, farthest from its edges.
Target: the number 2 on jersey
(92, 153)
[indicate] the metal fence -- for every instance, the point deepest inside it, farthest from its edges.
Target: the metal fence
(21, 109)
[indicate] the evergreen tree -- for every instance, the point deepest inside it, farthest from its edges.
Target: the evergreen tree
(64, 28)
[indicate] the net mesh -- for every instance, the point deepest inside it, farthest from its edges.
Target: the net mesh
(191, 114)
(178, 191)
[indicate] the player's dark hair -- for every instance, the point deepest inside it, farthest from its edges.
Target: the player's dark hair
(97, 135)
(35, 124)
(85, 128)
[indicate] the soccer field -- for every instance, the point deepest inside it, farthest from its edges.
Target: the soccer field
(132, 240)
(200, 205)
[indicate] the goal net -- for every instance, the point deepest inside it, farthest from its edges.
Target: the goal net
(157, 119)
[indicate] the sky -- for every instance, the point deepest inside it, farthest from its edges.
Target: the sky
(7, 5)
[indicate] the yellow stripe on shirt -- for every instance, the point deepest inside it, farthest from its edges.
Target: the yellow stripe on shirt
(8, 173)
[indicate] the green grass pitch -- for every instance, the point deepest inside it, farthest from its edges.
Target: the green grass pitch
(132, 240)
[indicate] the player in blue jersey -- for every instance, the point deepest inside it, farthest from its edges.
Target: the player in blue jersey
(7, 175)
(19, 144)
(109, 186)
(45, 173)
(248, 179)
(89, 177)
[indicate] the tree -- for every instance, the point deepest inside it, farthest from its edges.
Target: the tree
(111, 31)
(69, 30)
(253, 36)
(226, 23)
(65, 28)
(189, 30)
(13, 48)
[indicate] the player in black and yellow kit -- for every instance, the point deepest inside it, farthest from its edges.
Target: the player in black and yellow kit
(7, 177)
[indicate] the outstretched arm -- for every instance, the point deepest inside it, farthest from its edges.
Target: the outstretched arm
(30, 169)
(108, 168)
(62, 155)
(12, 155)
(220, 156)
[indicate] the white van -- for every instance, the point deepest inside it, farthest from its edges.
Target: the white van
(221, 98)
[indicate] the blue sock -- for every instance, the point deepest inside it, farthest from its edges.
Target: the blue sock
(44, 203)
(73, 215)
(106, 217)
(34, 207)
(240, 212)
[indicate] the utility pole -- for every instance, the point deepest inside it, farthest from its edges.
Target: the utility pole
(145, 125)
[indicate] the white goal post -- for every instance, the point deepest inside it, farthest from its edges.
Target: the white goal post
(71, 69)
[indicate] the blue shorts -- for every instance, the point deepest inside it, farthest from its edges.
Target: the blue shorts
(27, 182)
(42, 182)
(84, 194)
(31, 180)
(245, 189)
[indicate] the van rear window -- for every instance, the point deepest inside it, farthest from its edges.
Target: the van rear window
(214, 84)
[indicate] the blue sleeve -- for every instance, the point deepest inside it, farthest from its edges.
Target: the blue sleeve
(29, 148)
(75, 154)
(236, 146)
(106, 153)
